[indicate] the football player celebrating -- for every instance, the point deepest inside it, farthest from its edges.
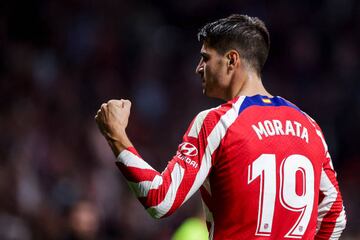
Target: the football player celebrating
(262, 165)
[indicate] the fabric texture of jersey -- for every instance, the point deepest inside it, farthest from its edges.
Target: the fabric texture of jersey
(262, 167)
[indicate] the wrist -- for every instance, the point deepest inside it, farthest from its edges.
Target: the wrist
(119, 142)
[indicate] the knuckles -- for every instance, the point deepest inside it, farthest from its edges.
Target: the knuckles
(112, 102)
(127, 102)
(122, 103)
(104, 105)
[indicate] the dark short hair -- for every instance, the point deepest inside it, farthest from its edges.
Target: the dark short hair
(248, 35)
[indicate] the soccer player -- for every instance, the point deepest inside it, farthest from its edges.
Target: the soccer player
(262, 165)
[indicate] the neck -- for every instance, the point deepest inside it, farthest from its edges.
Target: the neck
(247, 84)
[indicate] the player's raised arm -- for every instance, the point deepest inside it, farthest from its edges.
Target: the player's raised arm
(160, 193)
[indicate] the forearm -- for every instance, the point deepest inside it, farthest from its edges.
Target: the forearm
(119, 143)
(155, 191)
(160, 193)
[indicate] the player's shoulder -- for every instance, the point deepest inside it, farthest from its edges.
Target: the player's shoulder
(210, 117)
(313, 122)
(309, 118)
(216, 112)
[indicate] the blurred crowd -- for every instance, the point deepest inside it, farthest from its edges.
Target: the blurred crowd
(60, 60)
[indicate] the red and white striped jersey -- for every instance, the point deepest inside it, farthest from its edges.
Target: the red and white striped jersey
(262, 167)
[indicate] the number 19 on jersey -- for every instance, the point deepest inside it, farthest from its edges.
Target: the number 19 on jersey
(264, 168)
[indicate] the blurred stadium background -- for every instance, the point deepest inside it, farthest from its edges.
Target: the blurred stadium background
(59, 60)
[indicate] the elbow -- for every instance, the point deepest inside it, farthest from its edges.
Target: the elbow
(342, 220)
(158, 212)
(339, 228)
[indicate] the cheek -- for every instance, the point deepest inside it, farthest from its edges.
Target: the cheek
(210, 73)
(214, 75)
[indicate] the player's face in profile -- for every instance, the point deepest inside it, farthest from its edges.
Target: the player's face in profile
(212, 69)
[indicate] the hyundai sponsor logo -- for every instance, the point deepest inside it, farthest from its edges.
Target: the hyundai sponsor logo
(188, 149)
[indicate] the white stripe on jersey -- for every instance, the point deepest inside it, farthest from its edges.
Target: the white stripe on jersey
(214, 140)
(129, 159)
(199, 120)
(162, 208)
(142, 189)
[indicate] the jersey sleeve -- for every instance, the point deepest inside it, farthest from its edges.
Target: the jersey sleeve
(331, 220)
(162, 193)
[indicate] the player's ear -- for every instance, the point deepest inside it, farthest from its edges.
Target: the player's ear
(233, 59)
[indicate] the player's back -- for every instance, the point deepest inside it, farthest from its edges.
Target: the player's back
(266, 173)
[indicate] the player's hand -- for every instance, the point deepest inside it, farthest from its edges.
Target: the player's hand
(112, 118)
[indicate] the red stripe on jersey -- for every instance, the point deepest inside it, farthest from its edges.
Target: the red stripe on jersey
(134, 151)
(321, 196)
(206, 197)
(156, 196)
(136, 175)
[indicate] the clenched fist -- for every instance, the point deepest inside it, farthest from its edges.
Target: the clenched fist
(112, 119)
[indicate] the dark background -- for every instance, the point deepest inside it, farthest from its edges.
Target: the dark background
(59, 60)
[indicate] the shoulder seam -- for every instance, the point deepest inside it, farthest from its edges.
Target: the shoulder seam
(200, 117)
